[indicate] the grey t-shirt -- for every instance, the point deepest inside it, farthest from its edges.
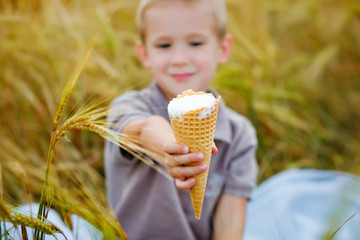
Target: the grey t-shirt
(148, 205)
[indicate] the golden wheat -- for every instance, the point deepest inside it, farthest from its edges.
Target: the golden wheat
(4, 212)
(70, 125)
(70, 85)
(91, 120)
(24, 220)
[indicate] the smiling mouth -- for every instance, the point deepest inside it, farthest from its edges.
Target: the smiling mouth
(182, 77)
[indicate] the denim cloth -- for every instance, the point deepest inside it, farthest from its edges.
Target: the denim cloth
(305, 204)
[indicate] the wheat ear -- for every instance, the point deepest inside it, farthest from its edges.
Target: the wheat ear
(35, 223)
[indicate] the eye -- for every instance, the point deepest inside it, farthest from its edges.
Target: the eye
(163, 45)
(196, 43)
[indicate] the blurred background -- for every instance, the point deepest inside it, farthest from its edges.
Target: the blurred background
(294, 72)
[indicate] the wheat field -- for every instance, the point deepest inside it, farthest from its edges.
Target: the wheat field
(294, 72)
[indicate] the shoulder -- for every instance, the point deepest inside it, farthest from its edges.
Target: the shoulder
(132, 97)
(133, 101)
(128, 106)
(241, 127)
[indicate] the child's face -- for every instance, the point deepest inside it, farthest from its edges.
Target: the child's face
(182, 48)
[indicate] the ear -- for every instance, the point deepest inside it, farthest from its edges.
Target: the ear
(142, 54)
(226, 47)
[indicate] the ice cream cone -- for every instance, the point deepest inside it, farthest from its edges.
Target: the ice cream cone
(196, 130)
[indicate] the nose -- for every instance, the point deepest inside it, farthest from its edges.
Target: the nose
(179, 56)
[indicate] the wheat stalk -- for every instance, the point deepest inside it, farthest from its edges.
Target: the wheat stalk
(4, 212)
(35, 223)
(58, 116)
(334, 233)
(23, 220)
(70, 85)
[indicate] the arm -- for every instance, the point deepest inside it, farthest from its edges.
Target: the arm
(229, 219)
(155, 134)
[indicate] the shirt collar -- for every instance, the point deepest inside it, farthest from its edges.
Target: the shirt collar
(160, 103)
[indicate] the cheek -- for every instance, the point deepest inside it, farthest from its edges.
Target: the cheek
(208, 58)
(158, 61)
(209, 63)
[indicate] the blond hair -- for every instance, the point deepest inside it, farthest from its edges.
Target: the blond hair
(217, 8)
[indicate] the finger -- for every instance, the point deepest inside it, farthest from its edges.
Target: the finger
(187, 171)
(188, 159)
(214, 148)
(175, 148)
(185, 184)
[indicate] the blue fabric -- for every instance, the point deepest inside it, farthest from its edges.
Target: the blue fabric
(305, 204)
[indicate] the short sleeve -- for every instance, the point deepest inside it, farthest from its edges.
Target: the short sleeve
(123, 110)
(242, 170)
(126, 108)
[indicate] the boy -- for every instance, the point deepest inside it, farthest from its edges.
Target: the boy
(182, 42)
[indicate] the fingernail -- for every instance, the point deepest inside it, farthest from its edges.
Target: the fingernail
(185, 149)
(200, 156)
(203, 167)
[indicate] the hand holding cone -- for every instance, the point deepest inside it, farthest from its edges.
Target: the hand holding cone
(196, 128)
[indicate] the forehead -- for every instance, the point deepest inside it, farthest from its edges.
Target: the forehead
(179, 17)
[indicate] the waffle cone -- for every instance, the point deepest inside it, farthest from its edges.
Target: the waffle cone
(198, 135)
